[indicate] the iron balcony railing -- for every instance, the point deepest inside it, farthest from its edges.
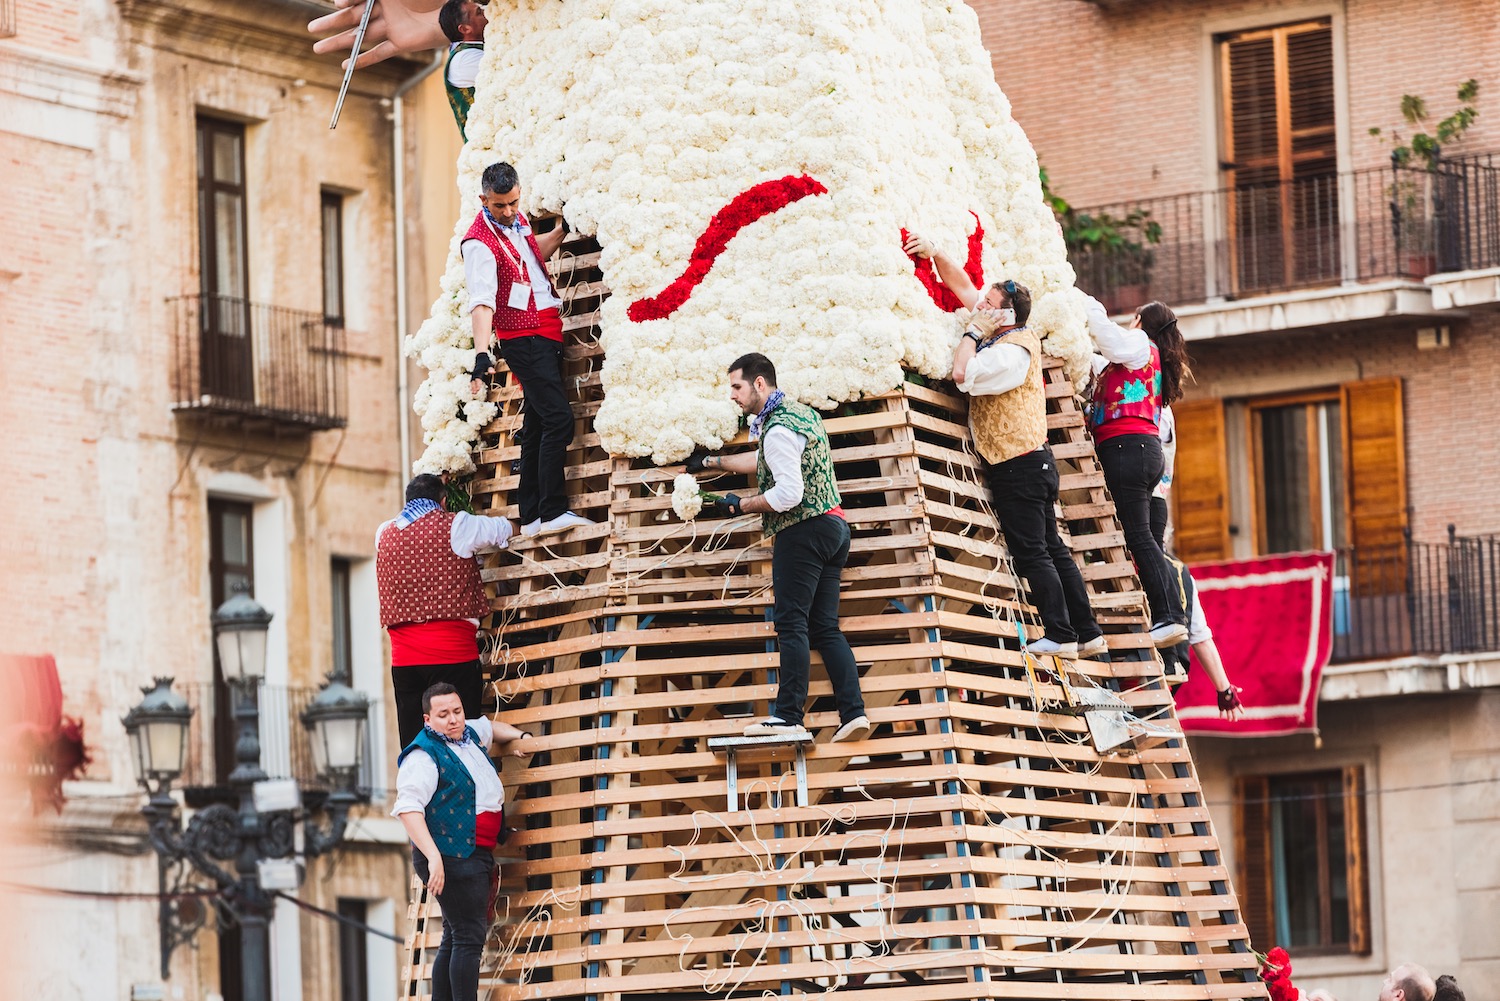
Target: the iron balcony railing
(240, 358)
(1325, 230)
(285, 745)
(1417, 598)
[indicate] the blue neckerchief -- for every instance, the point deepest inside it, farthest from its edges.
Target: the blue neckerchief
(415, 509)
(759, 420)
(460, 742)
(514, 227)
(996, 339)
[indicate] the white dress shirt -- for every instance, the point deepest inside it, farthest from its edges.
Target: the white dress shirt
(417, 778)
(783, 449)
(483, 278)
(1198, 630)
(469, 534)
(463, 70)
(1128, 346)
(996, 369)
(1166, 426)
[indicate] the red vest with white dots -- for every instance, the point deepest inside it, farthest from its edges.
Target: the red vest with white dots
(512, 269)
(421, 578)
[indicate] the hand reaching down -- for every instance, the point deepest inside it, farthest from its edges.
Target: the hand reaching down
(397, 27)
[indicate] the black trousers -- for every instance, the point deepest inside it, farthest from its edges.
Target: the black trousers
(546, 426)
(807, 561)
(1160, 511)
(1132, 468)
(411, 681)
(465, 901)
(1024, 490)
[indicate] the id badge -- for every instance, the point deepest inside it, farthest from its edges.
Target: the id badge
(520, 296)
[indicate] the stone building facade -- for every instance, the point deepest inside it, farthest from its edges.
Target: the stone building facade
(1343, 314)
(201, 387)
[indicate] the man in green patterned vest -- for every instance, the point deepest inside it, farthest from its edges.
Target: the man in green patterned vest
(463, 22)
(801, 511)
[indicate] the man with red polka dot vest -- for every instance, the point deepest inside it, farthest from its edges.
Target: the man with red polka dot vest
(432, 598)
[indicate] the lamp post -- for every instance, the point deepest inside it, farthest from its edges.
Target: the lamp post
(246, 835)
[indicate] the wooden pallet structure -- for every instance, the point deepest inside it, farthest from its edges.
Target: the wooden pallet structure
(977, 845)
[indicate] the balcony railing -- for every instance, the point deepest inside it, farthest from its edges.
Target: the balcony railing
(1417, 598)
(285, 745)
(1328, 230)
(233, 357)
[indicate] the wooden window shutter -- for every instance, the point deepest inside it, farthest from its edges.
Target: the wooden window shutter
(1375, 485)
(1279, 151)
(1200, 483)
(1254, 867)
(1355, 851)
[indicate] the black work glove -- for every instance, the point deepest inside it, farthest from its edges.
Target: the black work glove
(729, 505)
(482, 366)
(695, 462)
(1229, 700)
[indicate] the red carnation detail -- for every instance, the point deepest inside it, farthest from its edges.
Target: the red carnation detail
(1276, 972)
(750, 205)
(973, 267)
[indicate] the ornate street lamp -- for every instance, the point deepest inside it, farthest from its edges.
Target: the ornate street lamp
(245, 836)
(158, 729)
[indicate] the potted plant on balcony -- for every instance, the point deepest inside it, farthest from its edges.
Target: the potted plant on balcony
(1111, 253)
(1414, 162)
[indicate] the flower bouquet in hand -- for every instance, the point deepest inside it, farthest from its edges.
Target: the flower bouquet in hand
(688, 498)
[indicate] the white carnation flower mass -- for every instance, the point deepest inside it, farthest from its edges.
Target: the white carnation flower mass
(644, 121)
(687, 497)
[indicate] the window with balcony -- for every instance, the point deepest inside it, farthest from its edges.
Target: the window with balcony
(231, 565)
(1303, 872)
(1279, 153)
(239, 361)
(332, 207)
(225, 351)
(1299, 474)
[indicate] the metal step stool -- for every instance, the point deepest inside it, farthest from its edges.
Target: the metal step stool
(770, 748)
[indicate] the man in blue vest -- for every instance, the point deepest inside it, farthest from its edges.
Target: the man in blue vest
(450, 800)
(802, 512)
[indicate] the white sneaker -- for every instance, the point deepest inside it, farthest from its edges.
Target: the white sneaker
(856, 729)
(774, 726)
(562, 523)
(1045, 647)
(1094, 647)
(1168, 634)
(530, 528)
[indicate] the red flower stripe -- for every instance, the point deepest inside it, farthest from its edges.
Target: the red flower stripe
(973, 267)
(748, 206)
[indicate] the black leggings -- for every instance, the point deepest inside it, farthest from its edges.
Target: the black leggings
(1132, 466)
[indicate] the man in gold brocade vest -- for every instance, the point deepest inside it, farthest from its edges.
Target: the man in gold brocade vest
(998, 363)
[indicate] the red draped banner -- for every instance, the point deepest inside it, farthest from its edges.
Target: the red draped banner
(1272, 622)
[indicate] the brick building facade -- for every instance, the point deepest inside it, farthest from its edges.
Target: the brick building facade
(1342, 313)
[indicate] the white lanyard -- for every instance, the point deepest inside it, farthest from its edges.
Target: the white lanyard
(510, 251)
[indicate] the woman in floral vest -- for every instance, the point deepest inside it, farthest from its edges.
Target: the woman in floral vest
(1137, 371)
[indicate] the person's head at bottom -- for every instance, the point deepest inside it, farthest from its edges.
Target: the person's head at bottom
(1408, 982)
(752, 378)
(443, 710)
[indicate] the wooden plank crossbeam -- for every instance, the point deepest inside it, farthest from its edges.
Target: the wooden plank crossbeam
(974, 845)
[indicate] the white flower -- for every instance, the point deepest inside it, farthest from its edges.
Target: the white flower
(641, 119)
(687, 499)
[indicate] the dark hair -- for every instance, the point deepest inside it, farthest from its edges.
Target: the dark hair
(1017, 297)
(441, 688)
(1448, 989)
(452, 16)
(499, 178)
(755, 366)
(425, 486)
(1160, 324)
